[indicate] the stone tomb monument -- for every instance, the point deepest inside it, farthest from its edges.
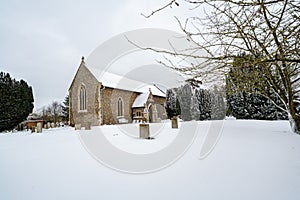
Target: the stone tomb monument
(174, 121)
(144, 131)
(39, 127)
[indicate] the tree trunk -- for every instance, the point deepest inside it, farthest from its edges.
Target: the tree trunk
(295, 123)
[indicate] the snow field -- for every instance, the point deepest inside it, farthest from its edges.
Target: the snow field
(252, 160)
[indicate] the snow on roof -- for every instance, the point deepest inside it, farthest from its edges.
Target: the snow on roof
(112, 80)
(140, 100)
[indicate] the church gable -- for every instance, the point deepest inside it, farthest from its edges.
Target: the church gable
(83, 97)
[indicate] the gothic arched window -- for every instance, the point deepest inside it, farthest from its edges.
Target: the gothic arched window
(82, 98)
(120, 107)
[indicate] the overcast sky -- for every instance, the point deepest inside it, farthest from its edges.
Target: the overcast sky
(42, 41)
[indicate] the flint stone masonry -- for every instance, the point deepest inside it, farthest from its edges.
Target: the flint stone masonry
(110, 103)
(86, 78)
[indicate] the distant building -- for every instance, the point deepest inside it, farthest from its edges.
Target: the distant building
(98, 98)
(33, 120)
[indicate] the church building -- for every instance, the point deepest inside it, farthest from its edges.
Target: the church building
(97, 98)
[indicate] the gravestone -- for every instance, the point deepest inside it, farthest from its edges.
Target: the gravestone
(32, 129)
(174, 121)
(158, 120)
(77, 126)
(48, 125)
(39, 127)
(52, 125)
(45, 126)
(144, 131)
(88, 126)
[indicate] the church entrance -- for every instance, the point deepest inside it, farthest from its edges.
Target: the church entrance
(150, 113)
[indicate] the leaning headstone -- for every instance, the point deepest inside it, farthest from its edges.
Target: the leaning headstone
(32, 129)
(39, 127)
(144, 131)
(174, 121)
(77, 126)
(48, 125)
(52, 125)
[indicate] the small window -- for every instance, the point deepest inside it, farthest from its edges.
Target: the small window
(138, 113)
(82, 98)
(120, 107)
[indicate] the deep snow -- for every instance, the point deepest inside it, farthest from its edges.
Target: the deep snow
(252, 160)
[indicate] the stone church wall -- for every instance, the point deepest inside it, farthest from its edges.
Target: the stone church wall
(110, 104)
(160, 106)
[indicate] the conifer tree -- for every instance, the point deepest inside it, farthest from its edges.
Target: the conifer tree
(16, 101)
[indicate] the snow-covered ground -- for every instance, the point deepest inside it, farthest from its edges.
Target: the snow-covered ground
(252, 160)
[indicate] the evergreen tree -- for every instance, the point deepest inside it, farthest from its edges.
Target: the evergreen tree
(241, 88)
(195, 111)
(16, 101)
(218, 108)
(184, 94)
(65, 109)
(204, 101)
(201, 104)
(172, 103)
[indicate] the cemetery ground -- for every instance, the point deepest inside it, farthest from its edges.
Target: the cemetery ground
(252, 160)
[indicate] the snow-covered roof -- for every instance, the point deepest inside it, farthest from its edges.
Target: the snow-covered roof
(112, 80)
(140, 100)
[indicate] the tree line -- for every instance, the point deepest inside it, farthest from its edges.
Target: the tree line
(195, 103)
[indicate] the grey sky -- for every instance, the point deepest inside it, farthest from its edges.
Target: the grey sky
(42, 41)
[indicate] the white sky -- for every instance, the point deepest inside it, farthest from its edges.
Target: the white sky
(42, 41)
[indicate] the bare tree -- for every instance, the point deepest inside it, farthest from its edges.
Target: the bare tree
(53, 112)
(56, 111)
(267, 31)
